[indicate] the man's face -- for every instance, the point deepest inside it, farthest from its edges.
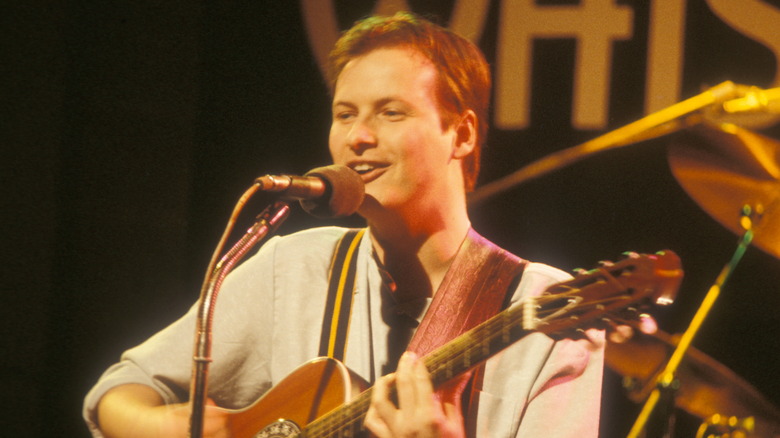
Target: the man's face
(387, 126)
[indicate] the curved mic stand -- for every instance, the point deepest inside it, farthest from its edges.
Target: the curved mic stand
(267, 222)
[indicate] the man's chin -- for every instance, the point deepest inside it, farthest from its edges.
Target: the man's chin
(378, 207)
(370, 206)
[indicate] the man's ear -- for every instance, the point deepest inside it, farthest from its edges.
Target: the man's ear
(465, 135)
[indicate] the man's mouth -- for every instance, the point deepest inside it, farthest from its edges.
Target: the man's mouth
(363, 168)
(368, 171)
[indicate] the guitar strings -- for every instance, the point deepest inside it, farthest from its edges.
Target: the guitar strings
(498, 329)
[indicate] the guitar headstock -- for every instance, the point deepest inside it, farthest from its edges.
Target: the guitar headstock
(606, 292)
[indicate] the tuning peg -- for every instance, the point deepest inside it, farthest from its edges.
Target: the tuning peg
(631, 255)
(606, 263)
(579, 271)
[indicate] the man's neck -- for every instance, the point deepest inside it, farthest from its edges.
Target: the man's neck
(418, 255)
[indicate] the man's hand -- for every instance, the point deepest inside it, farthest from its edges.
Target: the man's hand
(621, 333)
(129, 411)
(420, 412)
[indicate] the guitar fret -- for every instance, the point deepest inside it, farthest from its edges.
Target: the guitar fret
(505, 329)
(464, 352)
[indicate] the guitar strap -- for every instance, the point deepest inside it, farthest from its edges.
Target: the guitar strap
(341, 285)
(475, 287)
(479, 283)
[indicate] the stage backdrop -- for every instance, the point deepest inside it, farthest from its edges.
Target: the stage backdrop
(131, 128)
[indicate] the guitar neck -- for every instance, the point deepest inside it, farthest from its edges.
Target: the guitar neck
(563, 307)
(453, 359)
(475, 346)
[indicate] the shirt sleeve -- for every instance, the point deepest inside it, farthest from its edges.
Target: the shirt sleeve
(565, 398)
(164, 362)
(539, 386)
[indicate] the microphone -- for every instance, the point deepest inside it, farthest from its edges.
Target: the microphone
(755, 100)
(324, 192)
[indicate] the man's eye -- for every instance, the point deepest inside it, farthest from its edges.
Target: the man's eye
(393, 114)
(344, 116)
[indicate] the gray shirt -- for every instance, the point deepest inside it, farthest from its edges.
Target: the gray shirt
(268, 321)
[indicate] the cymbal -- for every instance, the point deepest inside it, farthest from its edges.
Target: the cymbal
(724, 167)
(706, 386)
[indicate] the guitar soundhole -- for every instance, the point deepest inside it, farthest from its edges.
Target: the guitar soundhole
(279, 429)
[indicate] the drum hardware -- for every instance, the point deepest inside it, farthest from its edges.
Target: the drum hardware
(735, 182)
(727, 101)
(720, 426)
(734, 175)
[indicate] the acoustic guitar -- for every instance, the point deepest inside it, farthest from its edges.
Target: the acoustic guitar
(323, 398)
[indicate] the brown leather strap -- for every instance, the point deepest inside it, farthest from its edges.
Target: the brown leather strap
(473, 290)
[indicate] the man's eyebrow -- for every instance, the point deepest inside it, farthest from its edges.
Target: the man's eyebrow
(389, 99)
(379, 103)
(342, 103)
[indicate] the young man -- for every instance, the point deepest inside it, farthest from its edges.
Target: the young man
(410, 106)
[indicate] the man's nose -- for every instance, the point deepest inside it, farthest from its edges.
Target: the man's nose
(361, 137)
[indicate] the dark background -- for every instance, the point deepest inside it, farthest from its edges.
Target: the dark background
(130, 129)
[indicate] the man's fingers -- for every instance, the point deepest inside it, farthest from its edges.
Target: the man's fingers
(381, 412)
(620, 333)
(406, 382)
(422, 381)
(647, 324)
(419, 411)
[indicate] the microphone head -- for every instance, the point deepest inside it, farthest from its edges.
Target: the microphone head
(344, 194)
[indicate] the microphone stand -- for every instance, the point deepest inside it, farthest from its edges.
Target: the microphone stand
(267, 222)
(665, 382)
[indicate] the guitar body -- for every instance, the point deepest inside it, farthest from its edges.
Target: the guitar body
(313, 389)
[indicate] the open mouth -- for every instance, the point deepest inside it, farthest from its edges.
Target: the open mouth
(363, 168)
(368, 171)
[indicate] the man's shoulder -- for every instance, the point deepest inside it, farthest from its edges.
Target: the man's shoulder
(310, 249)
(311, 240)
(551, 273)
(536, 278)
(326, 232)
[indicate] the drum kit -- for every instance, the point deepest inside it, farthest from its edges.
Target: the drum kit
(733, 174)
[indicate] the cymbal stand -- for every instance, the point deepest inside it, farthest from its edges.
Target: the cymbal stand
(666, 379)
(659, 123)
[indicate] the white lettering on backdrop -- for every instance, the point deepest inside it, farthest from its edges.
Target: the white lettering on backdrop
(595, 25)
